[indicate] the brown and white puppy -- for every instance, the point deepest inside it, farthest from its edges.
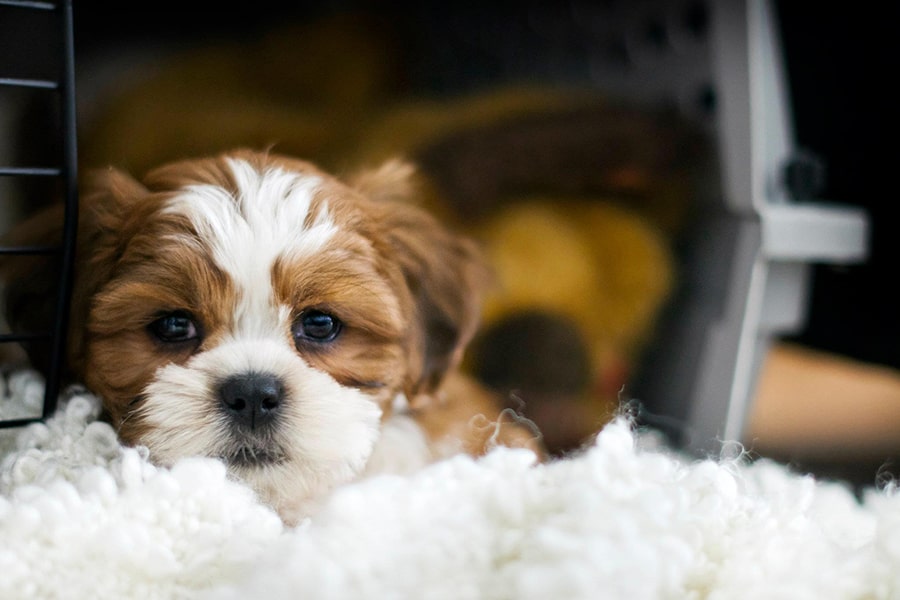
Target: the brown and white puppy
(253, 308)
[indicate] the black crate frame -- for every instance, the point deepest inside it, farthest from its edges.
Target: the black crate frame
(67, 171)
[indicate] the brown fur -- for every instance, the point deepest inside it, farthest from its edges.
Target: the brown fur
(407, 289)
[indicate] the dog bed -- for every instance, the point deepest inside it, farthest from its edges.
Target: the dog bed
(83, 517)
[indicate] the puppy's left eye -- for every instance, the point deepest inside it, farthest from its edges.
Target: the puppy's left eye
(316, 326)
(177, 326)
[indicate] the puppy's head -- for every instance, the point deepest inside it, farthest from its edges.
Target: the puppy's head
(253, 308)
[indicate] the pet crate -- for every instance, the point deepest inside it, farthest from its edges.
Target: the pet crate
(746, 271)
(37, 66)
(746, 265)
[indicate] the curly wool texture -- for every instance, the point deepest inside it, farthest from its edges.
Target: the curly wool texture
(81, 516)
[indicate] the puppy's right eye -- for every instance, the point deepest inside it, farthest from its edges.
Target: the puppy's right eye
(173, 327)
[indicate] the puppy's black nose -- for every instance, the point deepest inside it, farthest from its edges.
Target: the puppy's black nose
(252, 399)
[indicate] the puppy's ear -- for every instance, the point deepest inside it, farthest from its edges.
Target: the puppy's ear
(30, 282)
(395, 180)
(110, 201)
(444, 273)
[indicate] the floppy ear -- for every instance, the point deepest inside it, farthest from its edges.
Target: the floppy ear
(30, 282)
(444, 273)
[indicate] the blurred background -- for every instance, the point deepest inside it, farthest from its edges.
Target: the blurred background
(587, 185)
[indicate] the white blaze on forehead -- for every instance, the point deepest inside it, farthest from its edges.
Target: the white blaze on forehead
(268, 217)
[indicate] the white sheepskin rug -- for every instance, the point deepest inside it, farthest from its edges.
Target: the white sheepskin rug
(83, 517)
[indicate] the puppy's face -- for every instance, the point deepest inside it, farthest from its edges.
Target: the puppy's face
(252, 308)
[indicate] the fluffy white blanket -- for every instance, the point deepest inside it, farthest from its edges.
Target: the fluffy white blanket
(83, 517)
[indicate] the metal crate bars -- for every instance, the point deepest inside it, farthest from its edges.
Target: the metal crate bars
(63, 86)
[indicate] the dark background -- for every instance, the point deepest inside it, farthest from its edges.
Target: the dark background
(841, 59)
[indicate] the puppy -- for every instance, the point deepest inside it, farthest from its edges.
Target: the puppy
(252, 308)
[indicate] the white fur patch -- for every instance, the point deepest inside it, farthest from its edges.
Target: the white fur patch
(246, 234)
(326, 431)
(401, 448)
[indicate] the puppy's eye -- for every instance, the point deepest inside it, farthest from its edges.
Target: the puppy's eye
(316, 326)
(176, 326)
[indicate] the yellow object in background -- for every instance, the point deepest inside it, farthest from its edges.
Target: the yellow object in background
(599, 264)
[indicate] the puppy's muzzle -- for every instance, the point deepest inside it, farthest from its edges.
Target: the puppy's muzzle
(252, 400)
